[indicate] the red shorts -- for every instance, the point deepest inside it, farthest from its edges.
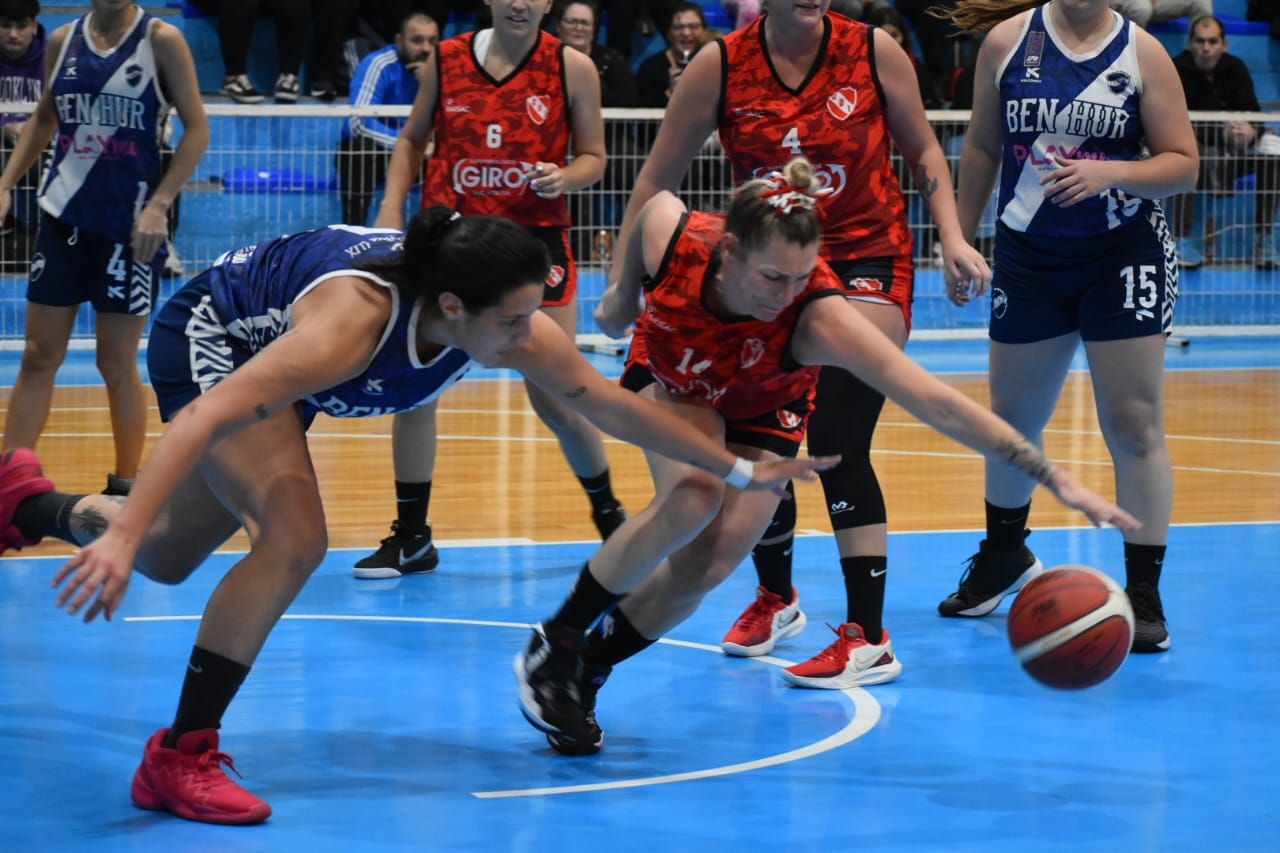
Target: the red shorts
(890, 280)
(562, 284)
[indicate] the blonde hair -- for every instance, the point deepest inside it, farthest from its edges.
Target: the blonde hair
(783, 203)
(978, 16)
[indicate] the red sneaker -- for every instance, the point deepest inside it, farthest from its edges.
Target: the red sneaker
(763, 624)
(848, 662)
(20, 478)
(189, 781)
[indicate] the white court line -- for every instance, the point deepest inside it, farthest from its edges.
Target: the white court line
(866, 711)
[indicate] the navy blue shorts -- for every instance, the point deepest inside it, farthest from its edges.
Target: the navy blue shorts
(72, 266)
(1110, 287)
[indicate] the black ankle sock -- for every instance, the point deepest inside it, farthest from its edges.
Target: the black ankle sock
(864, 579)
(1142, 564)
(1006, 527)
(599, 490)
(210, 685)
(773, 566)
(412, 500)
(585, 603)
(613, 640)
(48, 514)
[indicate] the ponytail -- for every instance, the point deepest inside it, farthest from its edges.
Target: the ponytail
(783, 203)
(978, 16)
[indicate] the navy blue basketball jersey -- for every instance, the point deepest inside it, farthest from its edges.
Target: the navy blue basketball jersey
(251, 292)
(1055, 102)
(106, 154)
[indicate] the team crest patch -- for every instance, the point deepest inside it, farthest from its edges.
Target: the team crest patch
(133, 74)
(555, 276)
(788, 419)
(842, 102)
(1118, 81)
(538, 108)
(37, 266)
(999, 303)
(752, 352)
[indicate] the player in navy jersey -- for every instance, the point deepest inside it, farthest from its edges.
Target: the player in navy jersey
(112, 75)
(505, 104)
(740, 311)
(842, 94)
(1083, 115)
(350, 321)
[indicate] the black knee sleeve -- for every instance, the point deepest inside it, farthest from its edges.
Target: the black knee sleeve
(843, 421)
(784, 517)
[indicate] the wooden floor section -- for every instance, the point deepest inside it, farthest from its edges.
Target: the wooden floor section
(500, 472)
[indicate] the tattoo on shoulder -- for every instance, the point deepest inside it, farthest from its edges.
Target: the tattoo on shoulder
(926, 184)
(261, 411)
(576, 392)
(1025, 456)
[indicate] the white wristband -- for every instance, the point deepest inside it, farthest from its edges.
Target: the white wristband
(742, 474)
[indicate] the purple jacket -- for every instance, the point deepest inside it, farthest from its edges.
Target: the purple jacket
(22, 80)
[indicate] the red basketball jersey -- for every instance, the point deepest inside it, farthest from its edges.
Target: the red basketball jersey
(835, 119)
(740, 365)
(490, 133)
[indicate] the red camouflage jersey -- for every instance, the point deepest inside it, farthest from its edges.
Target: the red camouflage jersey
(740, 365)
(835, 119)
(490, 133)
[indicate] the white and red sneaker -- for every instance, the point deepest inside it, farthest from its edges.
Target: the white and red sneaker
(848, 662)
(763, 624)
(188, 781)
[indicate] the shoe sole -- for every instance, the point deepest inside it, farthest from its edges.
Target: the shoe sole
(876, 675)
(384, 572)
(1151, 648)
(795, 626)
(992, 603)
(249, 99)
(529, 708)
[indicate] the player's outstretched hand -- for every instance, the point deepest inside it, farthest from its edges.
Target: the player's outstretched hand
(103, 567)
(775, 474)
(1100, 511)
(614, 313)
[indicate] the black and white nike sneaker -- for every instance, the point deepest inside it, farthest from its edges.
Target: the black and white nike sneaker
(550, 674)
(400, 554)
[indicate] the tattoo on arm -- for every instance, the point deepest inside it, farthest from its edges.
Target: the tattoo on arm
(261, 411)
(1027, 457)
(925, 184)
(576, 392)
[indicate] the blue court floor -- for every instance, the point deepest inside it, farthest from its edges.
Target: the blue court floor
(382, 714)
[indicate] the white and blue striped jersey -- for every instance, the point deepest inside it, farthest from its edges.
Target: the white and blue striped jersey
(1055, 102)
(106, 154)
(251, 293)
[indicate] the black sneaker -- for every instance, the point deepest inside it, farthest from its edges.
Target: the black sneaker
(118, 486)
(240, 90)
(608, 518)
(288, 88)
(323, 90)
(1150, 633)
(549, 672)
(989, 577)
(593, 678)
(400, 554)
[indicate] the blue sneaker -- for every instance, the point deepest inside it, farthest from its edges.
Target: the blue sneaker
(1190, 255)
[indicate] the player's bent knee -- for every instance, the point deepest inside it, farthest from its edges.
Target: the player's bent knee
(695, 500)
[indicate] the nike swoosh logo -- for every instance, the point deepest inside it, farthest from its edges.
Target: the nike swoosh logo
(1007, 523)
(405, 500)
(194, 668)
(416, 555)
(876, 574)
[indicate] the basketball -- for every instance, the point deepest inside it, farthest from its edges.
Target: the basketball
(1071, 627)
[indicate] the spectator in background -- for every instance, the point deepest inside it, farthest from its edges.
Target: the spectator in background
(1146, 12)
(387, 76)
(657, 75)
(21, 81)
(578, 25)
(236, 20)
(623, 15)
(1216, 81)
(891, 21)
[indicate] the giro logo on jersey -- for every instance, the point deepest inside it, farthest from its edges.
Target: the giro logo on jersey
(490, 177)
(555, 275)
(538, 108)
(37, 267)
(999, 303)
(830, 176)
(133, 74)
(1118, 81)
(788, 419)
(842, 103)
(752, 352)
